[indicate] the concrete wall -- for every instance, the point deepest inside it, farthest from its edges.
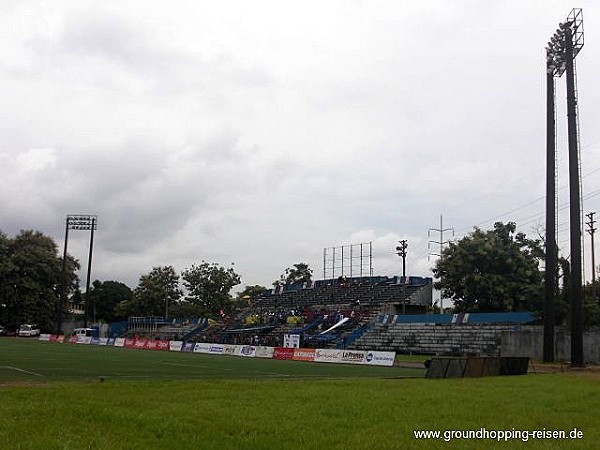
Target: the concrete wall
(529, 341)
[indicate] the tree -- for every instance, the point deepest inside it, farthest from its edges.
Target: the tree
(104, 298)
(155, 293)
(208, 286)
(298, 273)
(30, 280)
(495, 270)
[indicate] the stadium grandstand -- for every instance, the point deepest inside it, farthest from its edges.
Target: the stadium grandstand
(329, 313)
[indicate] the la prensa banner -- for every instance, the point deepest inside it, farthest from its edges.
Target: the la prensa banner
(353, 356)
(380, 358)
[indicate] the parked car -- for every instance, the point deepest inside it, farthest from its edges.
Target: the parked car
(27, 330)
(84, 332)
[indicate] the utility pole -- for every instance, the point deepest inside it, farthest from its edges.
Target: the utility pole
(441, 243)
(401, 252)
(592, 230)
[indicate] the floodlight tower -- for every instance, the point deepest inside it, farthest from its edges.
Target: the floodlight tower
(561, 51)
(77, 222)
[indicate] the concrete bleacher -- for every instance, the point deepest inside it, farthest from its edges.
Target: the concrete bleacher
(440, 334)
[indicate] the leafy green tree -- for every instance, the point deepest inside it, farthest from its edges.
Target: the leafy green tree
(208, 286)
(154, 295)
(105, 296)
(298, 273)
(30, 281)
(495, 270)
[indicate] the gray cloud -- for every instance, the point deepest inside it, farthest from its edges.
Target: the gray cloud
(261, 134)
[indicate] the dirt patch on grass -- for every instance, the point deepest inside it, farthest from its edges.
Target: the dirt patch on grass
(590, 370)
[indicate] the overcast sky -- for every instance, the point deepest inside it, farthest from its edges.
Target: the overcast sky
(260, 132)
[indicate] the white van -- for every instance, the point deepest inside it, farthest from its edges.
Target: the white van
(83, 332)
(27, 330)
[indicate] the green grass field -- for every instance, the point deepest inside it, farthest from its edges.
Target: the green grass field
(52, 397)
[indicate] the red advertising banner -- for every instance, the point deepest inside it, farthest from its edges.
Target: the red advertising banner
(139, 343)
(163, 345)
(283, 353)
(73, 339)
(152, 344)
(53, 337)
(304, 354)
(129, 343)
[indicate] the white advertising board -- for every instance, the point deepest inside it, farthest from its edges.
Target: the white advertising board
(265, 352)
(202, 347)
(380, 358)
(175, 346)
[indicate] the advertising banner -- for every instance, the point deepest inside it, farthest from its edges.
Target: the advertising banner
(215, 349)
(328, 355)
(44, 337)
(202, 347)
(264, 352)
(188, 347)
(140, 343)
(304, 354)
(152, 344)
(246, 350)
(53, 337)
(175, 346)
(95, 341)
(119, 342)
(230, 349)
(129, 343)
(110, 341)
(380, 358)
(60, 338)
(283, 353)
(82, 339)
(353, 356)
(73, 339)
(163, 345)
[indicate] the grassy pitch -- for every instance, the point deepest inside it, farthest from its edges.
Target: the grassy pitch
(52, 397)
